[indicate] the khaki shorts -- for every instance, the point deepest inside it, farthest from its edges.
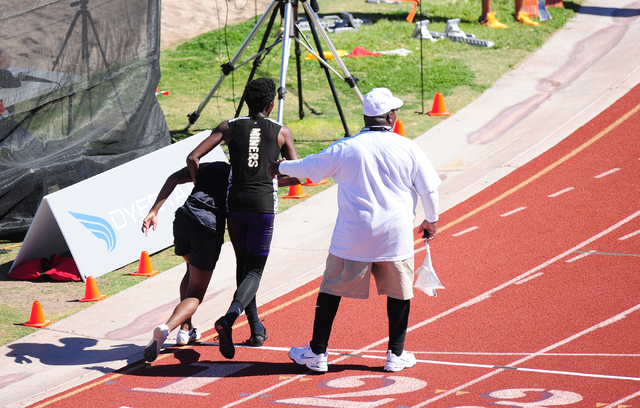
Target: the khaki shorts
(346, 278)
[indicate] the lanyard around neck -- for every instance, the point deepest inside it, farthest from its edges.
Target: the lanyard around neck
(376, 129)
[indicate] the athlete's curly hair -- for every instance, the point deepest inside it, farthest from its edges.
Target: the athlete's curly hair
(259, 92)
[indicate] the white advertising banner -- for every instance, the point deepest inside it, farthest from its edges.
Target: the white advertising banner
(99, 220)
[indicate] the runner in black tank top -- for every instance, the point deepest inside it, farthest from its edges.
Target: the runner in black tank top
(253, 142)
(252, 146)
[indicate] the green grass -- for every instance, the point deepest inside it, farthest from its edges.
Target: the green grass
(189, 70)
(460, 71)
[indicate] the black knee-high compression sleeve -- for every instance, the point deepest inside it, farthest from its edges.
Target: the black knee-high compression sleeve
(252, 317)
(326, 309)
(398, 314)
(248, 286)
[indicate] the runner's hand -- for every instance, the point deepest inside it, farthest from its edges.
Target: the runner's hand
(149, 222)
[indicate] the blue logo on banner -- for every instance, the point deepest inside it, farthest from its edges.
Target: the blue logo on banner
(98, 227)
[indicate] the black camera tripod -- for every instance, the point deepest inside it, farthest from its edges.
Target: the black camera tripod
(289, 10)
(86, 22)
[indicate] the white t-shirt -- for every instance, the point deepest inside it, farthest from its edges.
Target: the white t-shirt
(379, 175)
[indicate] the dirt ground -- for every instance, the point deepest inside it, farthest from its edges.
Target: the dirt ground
(183, 20)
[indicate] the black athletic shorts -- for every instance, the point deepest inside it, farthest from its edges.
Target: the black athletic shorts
(192, 238)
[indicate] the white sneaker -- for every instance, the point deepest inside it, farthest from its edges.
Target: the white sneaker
(185, 337)
(396, 363)
(152, 350)
(303, 355)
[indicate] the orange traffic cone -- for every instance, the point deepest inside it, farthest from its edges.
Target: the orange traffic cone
(296, 192)
(37, 316)
(91, 292)
(438, 106)
(144, 267)
(310, 183)
(399, 128)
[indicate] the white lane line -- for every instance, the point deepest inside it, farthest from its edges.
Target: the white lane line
(575, 258)
(351, 352)
(529, 278)
(512, 212)
(470, 302)
(475, 353)
(530, 272)
(509, 367)
(557, 193)
(606, 173)
(457, 234)
(541, 352)
(633, 234)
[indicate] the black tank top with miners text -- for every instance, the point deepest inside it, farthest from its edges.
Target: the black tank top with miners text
(253, 144)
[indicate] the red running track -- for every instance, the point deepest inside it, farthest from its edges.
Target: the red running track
(541, 306)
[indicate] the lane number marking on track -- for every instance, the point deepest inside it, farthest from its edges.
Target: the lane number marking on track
(547, 398)
(390, 385)
(188, 385)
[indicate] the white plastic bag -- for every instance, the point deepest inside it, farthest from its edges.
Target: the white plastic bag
(427, 280)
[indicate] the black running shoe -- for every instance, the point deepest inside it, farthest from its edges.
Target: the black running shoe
(257, 339)
(227, 348)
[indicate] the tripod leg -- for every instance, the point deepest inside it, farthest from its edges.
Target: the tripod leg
(106, 64)
(228, 67)
(27, 123)
(85, 57)
(313, 20)
(286, 45)
(328, 74)
(300, 100)
(258, 61)
(66, 40)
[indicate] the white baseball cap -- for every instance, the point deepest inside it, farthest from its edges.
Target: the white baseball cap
(380, 101)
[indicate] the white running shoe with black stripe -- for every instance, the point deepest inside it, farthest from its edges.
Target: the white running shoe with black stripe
(303, 355)
(396, 363)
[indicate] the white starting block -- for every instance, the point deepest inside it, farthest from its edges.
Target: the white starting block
(452, 32)
(422, 31)
(336, 24)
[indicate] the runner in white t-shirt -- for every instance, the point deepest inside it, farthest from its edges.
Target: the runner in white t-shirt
(380, 175)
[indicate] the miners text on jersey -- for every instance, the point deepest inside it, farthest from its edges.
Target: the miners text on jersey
(254, 147)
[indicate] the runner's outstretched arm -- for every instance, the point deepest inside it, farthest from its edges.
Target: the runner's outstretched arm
(220, 133)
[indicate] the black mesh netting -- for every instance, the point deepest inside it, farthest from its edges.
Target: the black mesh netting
(77, 95)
